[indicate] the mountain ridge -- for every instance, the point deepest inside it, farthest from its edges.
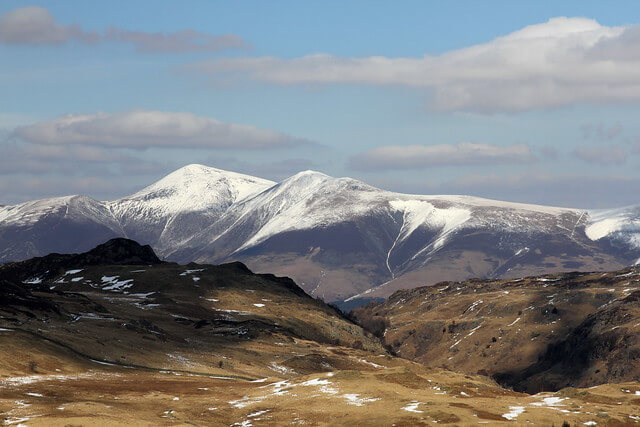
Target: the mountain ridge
(338, 237)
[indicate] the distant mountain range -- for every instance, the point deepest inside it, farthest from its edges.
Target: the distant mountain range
(339, 238)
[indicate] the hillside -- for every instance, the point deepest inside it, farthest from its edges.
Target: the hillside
(532, 334)
(115, 336)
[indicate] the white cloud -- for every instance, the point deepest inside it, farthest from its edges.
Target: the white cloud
(143, 129)
(601, 155)
(35, 26)
(556, 63)
(422, 156)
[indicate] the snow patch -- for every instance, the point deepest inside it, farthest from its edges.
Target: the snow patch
(550, 401)
(622, 223)
(279, 368)
(113, 284)
(34, 394)
(257, 414)
(514, 322)
(412, 407)
(513, 413)
(184, 273)
(356, 400)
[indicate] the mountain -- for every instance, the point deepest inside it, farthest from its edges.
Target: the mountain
(533, 334)
(338, 237)
(114, 336)
(59, 224)
(171, 210)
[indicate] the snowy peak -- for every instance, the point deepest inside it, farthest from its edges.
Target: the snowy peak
(307, 200)
(307, 173)
(196, 187)
(302, 180)
(308, 183)
(177, 206)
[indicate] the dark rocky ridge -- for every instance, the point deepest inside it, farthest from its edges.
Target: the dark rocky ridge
(118, 251)
(121, 299)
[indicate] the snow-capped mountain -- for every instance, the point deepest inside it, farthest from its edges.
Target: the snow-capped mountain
(179, 205)
(57, 224)
(337, 237)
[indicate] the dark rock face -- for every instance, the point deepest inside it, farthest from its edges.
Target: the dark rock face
(118, 251)
(17, 299)
(121, 251)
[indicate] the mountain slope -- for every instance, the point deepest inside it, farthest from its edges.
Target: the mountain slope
(338, 237)
(59, 224)
(619, 227)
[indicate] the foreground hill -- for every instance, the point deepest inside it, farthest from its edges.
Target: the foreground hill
(117, 337)
(532, 334)
(338, 238)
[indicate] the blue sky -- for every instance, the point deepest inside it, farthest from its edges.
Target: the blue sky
(526, 101)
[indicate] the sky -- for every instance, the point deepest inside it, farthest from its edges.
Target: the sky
(528, 101)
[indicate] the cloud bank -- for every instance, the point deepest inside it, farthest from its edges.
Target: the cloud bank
(33, 25)
(601, 155)
(181, 41)
(570, 190)
(530, 186)
(144, 129)
(422, 156)
(36, 25)
(560, 62)
(78, 160)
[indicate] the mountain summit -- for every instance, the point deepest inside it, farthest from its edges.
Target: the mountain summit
(177, 206)
(338, 237)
